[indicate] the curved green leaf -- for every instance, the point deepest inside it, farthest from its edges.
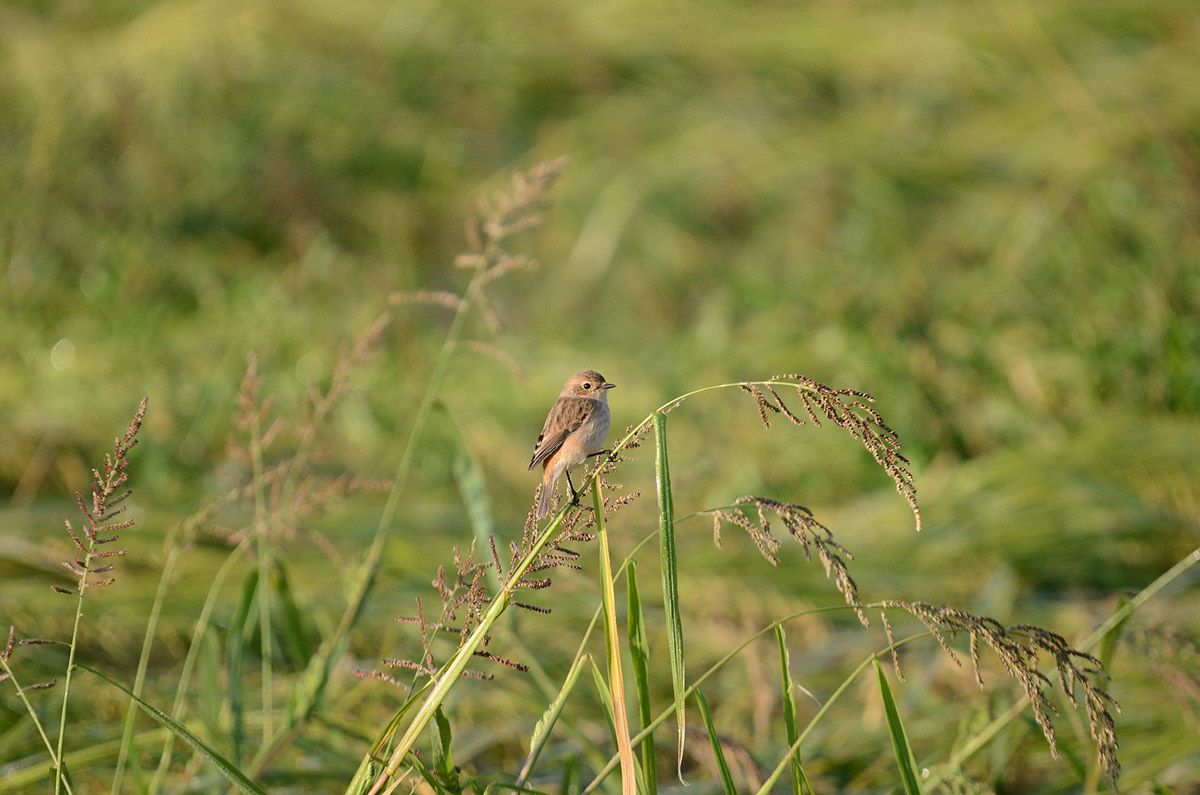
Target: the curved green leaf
(670, 579)
(904, 757)
(227, 768)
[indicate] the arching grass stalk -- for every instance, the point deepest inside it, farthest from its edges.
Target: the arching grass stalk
(1020, 647)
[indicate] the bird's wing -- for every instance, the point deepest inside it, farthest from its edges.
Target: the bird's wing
(564, 419)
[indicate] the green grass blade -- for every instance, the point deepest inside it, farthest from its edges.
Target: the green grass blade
(670, 580)
(639, 652)
(570, 775)
(294, 637)
(629, 777)
(311, 685)
(423, 770)
(904, 757)
(1108, 643)
(227, 768)
(605, 696)
(211, 693)
(204, 623)
(368, 769)
(237, 638)
(541, 732)
(302, 697)
(443, 757)
(726, 778)
(800, 783)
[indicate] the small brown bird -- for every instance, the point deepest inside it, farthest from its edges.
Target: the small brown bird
(575, 431)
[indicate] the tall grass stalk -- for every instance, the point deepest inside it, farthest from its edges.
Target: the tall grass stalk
(98, 517)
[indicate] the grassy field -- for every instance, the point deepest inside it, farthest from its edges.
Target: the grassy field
(985, 215)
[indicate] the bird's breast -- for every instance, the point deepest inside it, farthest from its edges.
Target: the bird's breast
(598, 432)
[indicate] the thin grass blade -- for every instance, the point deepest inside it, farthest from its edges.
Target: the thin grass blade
(904, 756)
(211, 690)
(227, 768)
(166, 578)
(423, 770)
(605, 696)
(722, 766)
(307, 692)
(371, 764)
(570, 775)
(800, 783)
(1108, 644)
(670, 581)
(606, 702)
(295, 638)
(639, 652)
(443, 757)
(237, 638)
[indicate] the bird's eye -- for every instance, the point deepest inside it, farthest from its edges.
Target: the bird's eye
(587, 386)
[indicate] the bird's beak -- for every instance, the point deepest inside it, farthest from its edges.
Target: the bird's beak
(608, 386)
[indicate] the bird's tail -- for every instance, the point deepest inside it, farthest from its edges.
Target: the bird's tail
(543, 506)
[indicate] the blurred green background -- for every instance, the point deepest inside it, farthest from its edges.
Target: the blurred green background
(985, 214)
